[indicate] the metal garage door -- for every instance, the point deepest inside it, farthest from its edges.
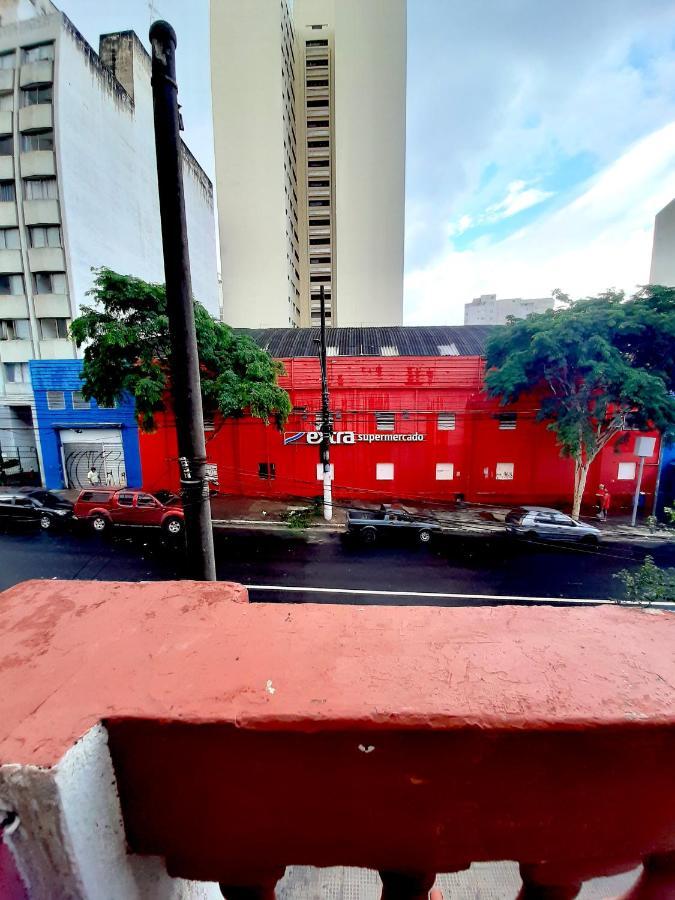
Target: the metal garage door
(100, 448)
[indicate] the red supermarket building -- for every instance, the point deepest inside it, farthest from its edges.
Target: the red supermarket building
(411, 422)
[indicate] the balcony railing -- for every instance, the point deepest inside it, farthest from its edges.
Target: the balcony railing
(412, 741)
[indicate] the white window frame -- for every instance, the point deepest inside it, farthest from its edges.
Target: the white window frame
(385, 421)
(20, 367)
(446, 421)
(445, 471)
(504, 471)
(78, 400)
(384, 471)
(56, 400)
(625, 467)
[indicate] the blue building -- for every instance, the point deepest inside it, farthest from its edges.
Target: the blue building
(77, 434)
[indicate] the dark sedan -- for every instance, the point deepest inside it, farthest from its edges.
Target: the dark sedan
(35, 506)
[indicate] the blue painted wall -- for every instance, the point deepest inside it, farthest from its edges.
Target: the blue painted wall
(667, 486)
(64, 375)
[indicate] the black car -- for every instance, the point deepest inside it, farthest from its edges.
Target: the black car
(34, 506)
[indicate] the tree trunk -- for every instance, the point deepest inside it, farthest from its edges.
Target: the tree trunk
(580, 475)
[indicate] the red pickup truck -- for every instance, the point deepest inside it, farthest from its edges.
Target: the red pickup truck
(103, 508)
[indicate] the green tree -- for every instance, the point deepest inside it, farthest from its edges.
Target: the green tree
(598, 364)
(647, 583)
(126, 339)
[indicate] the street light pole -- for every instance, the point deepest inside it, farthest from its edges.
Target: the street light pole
(636, 497)
(184, 362)
(326, 428)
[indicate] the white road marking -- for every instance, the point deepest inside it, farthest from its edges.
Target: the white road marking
(497, 598)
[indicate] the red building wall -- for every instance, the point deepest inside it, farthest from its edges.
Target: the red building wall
(416, 390)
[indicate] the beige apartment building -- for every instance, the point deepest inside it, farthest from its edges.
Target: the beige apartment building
(309, 124)
(663, 248)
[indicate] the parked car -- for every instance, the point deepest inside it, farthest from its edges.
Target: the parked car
(34, 506)
(550, 524)
(102, 508)
(55, 511)
(369, 525)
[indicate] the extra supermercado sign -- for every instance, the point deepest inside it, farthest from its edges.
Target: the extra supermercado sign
(350, 437)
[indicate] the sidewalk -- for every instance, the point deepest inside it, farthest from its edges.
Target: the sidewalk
(230, 511)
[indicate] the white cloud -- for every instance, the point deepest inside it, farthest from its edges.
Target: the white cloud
(518, 198)
(598, 240)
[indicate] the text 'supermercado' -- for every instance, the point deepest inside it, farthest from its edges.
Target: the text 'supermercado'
(415, 427)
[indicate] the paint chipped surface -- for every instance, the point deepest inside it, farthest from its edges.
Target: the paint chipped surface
(76, 653)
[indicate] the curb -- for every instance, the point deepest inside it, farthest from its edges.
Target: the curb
(264, 525)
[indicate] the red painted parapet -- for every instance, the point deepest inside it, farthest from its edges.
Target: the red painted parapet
(407, 740)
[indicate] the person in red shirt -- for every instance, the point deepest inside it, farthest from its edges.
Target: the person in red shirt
(603, 501)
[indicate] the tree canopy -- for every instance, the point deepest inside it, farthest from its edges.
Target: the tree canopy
(602, 362)
(126, 339)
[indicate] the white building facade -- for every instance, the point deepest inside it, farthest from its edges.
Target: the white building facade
(78, 189)
(487, 310)
(663, 249)
(310, 159)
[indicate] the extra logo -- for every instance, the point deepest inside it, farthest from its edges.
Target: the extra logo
(349, 437)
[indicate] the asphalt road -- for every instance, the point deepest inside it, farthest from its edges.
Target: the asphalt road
(468, 565)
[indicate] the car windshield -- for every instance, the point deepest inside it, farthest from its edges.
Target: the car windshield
(166, 497)
(51, 501)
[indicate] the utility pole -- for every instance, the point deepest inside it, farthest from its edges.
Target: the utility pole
(185, 382)
(326, 427)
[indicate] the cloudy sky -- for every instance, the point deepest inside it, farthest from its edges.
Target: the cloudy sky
(541, 139)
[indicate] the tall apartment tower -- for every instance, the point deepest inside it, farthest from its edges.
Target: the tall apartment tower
(309, 124)
(78, 189)
(663, 248)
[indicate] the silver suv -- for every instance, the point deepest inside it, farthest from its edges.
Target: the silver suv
(551, 524)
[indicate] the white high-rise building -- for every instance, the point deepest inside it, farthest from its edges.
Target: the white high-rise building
(78, 189)
(309, 123)
(487, 310)
(663, 248)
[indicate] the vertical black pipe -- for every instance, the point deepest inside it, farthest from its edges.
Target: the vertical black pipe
(326, 429)
(185, 384)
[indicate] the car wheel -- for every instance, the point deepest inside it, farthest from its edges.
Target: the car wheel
(590, 540)
(368, 535)
(45, 523)
(174, 526)
(424, 536)
(99, 523)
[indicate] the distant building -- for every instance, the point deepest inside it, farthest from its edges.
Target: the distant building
(487, 310)
(309, 124)
(663, 248)
(78, 189)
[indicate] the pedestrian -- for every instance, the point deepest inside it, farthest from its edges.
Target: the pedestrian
(93, 477)
(603, 501)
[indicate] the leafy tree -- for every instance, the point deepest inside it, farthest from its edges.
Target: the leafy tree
(647, 583)
(126, 339)
(598, 363)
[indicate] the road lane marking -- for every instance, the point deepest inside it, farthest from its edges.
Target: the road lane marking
(498, 598)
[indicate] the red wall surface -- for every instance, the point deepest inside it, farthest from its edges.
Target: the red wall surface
(416, 390)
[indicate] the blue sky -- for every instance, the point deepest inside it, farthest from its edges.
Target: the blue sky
(541, 138)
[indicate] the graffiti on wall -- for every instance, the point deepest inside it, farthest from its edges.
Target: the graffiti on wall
(108, 460)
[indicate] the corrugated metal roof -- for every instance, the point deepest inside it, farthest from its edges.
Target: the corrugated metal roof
(409, 340)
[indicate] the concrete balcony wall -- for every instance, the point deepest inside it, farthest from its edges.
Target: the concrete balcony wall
(416, 740)
(13, 306)
(38, 163)
(45, 259)
(8, 215)
(41, 212)
(6, 121)
(6, 168)
(36, 118)
(41, 72)
(16, 351)
(6, 79)
(52, 306)
(18, 391)
(10, 262)
(57, 349)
